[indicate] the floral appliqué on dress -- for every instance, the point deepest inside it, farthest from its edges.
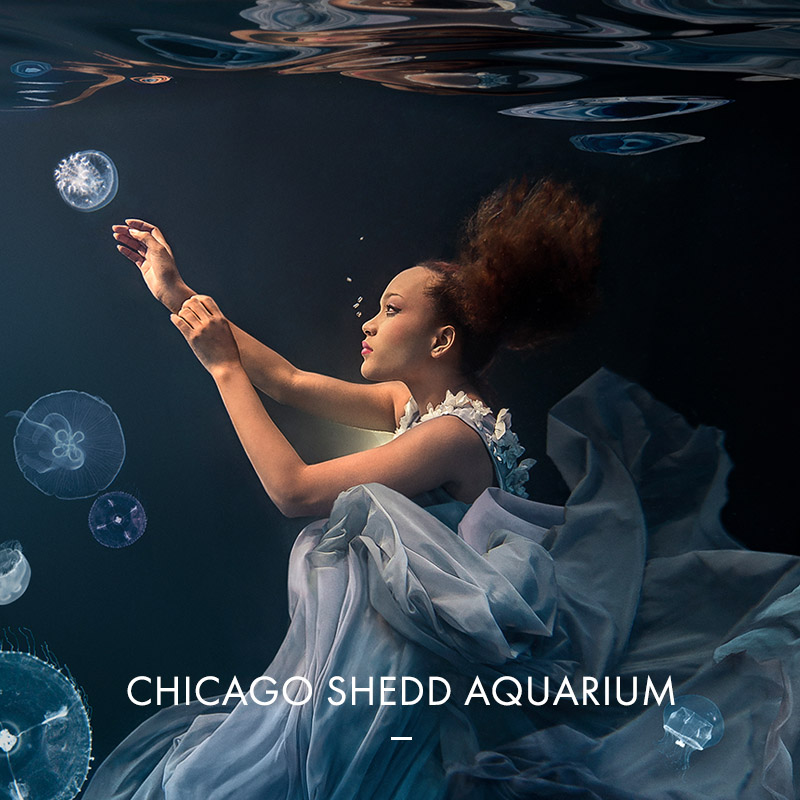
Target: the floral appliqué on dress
(501, 441)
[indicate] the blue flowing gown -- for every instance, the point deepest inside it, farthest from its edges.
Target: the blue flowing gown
(634, 576)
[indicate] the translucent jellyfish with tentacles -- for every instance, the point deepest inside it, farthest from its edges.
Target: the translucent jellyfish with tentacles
(45, 735)
(69, 444)
(693, 723)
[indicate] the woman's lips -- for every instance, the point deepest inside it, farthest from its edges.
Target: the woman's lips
(365, 348)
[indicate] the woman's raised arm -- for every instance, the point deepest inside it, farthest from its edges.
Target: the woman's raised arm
(448, 453)
(374, 406)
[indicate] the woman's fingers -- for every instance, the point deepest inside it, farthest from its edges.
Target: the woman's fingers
(132, 222)
(123, 237)
(143, 237)
(189, 318)
(181, 324)
(209, 304)
(195, 305)
(140, 224)
(131, 254)
(198, 306)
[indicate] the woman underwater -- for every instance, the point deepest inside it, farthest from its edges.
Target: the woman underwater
(633, 578)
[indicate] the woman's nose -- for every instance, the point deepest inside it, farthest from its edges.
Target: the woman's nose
(368, 327)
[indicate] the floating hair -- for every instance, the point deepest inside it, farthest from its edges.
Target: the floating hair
(525, 269)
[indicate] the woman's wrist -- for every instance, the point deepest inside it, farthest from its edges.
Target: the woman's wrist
(228, 372)
(175, 297)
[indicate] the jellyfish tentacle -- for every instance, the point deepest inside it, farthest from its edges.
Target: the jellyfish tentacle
(43, 466)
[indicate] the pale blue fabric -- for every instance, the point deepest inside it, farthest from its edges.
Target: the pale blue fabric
(634, 576)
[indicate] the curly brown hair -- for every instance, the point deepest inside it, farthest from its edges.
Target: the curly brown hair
(525, 271)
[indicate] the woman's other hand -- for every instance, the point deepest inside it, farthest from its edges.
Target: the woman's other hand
(145, 245)
(208, 333)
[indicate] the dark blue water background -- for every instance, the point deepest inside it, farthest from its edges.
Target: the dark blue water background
(305, 144)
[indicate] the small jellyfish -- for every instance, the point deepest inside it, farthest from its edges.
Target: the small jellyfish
(86, 180)
(30, 69)
(15, 572)
(45, 735)
(692, 723)
(117, 519)
(69, 444)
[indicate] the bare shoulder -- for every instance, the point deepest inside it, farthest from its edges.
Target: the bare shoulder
(449, 435)
(455, 453)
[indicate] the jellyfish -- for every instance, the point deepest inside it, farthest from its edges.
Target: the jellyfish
(692, 723)
(69, 444)
(117, 519)
(86, 180)
(15, 572)
(30, 69)
(45, 736)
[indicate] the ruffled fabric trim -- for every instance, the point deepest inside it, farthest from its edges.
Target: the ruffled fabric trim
(502, 442)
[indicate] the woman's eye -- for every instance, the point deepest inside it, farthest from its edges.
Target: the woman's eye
(391, 310)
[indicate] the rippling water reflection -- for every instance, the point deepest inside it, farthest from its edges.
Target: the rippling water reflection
(614, 109)
(633, 143)
(480, 47)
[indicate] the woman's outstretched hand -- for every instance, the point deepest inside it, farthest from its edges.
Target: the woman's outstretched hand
(204, 326)
(145, 245)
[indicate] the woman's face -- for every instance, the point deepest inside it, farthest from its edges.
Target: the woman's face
(399, 338)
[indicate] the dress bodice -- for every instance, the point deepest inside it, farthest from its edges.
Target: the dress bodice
(495, 432)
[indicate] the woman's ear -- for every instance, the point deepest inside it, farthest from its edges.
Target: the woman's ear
(444, 341)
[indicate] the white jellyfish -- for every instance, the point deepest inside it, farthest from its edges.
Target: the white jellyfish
(69, 444)
(86, 180)
(692, 723)
(15, 572)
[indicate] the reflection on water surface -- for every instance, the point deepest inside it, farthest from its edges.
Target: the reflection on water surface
(463, 46)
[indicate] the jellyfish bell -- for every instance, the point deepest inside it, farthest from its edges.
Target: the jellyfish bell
(45, 735)
(117, 519)
(69, 444)
(692, 723)
(86, 180)
(15, 573)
